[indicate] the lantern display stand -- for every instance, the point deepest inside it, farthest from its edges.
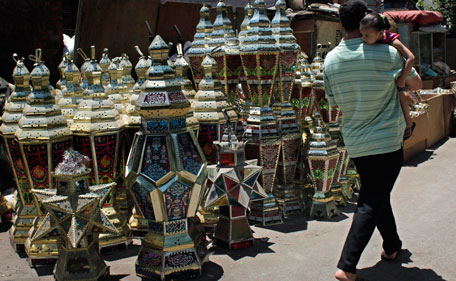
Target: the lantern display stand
(284, 190)
(73, 211)
(25, 211)
(323, 157)
(166, 173)
(97, 131)
(232, 184)
(138, 224)
(199, 46)
(260, 57)
(43, 136)
(72, 92)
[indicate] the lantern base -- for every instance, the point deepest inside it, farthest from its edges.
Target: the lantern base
(288, 199)
(305, 192)
(233, 230)
(346, 188)
(354, 180)
(208, 217)
(265, 212)
(43, 251)
(22, 222)
(109, 242)
(323, 206)
(138, 225)
(80, 264)
(168, 252)
(339, 198)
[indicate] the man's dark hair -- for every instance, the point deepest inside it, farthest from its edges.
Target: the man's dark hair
(351, 13)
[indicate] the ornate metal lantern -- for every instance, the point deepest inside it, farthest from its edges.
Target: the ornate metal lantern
(302, 95)
(259, 56)
(72, 93)
(207, 108)
(24, 208)
(96, 134)
(117, 88)
(43, 136)
(127, 66)
(73, 210)
(166, 174)
(104, 63)
(337, 187)
(85, 64)
(323, 157)
(232, 184)
(199, 45)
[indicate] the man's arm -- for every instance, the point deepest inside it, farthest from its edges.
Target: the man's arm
(328, 90)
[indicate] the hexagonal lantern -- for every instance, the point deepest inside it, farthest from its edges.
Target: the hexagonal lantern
(199, 45)
(43, 136)
(72, 92)
(302, 95)
(25, 211)
(337, 187)
(233, 184)
(61, 83)
(323, 157)
(166, 174)
(291, 137)
(259, 56)
(228, 60)
(96, 134)
(73, 211)
(85, 64)
(104, 63)
(207, 108)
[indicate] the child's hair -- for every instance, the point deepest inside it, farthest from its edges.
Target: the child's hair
(376, 21)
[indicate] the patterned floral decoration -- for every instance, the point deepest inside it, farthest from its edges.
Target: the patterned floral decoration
(36, 156)
(156, 161)
(206, 137)
(19, 170)
(191, 159)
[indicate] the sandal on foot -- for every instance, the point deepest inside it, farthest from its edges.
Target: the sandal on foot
(409, 131)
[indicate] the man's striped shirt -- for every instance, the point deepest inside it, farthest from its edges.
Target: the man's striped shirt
(361, 80)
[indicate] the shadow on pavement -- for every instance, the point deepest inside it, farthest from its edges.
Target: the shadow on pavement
(131, 251)
(293, 223)
(4, 227)
(425, 155)
(211, 272)
(44, 270)
(115, 277)
(395, 271)
(260, 246)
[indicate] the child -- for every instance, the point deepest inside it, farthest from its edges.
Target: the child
(373, 30)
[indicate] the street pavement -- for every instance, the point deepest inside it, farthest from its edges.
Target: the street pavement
(423, 201)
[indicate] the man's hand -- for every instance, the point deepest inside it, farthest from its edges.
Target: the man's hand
(400, 83)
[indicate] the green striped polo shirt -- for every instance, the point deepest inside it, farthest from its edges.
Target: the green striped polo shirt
(361, 80)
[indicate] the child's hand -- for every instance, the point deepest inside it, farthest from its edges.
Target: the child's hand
(400, 83)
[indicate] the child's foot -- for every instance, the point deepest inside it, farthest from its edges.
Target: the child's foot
(409, 131)
(345, 276)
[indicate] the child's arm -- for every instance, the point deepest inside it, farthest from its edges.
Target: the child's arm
(410, 60)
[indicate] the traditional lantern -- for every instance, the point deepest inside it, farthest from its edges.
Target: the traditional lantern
(104, 63)
(207, 108)
(127, 66)
(96, 134)
(302, 95)
(166, 174)
(61, 83)
(181, 67)
(323, 157)
(25, 209)
(73, 210)
(138, 224)
(85, 64)
(259, 55)
(43, 136)
(228, 60)
(337, 186)
(199, 45)
(291, 137)
(72, 93)
(117, 88)
(232, 184)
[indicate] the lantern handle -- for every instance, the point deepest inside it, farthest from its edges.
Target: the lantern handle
(37, 57)
(139, 51)
(82, 53)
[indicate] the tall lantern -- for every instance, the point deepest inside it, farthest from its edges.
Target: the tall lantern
(43, 136)
(259, 56)
(302, 95)
(85, 64)
(72, 93)
(73, 210)
(166, 172)
(232, 184)
(228, 60)
(337, 188)
(207, 108)
(25, 209)
(323, 157)
(96, 134)
(199, 45)
(104, 63)
(284, 189)
(138, 223)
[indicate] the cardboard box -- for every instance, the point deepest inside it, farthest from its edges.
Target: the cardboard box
(418, 142)
(436, 120)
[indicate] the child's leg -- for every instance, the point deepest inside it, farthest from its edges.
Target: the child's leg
(414, 84)
(405, 109)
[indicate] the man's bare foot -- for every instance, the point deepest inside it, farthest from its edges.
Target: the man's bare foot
(391, 257)
(345, 276)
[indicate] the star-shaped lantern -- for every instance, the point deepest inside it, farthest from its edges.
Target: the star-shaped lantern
(232, 184)
(74, 211)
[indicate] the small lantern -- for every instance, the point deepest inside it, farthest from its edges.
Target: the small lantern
(104, 63)
(302, 97)
(25, 208)
(73, 210)
(43, 136)
(323, 157)
(72, 93)
(117, 88)
(166, 173)
(127, 66)
(96, 134)
(232, 184)
(199, 47)
(85, 64)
